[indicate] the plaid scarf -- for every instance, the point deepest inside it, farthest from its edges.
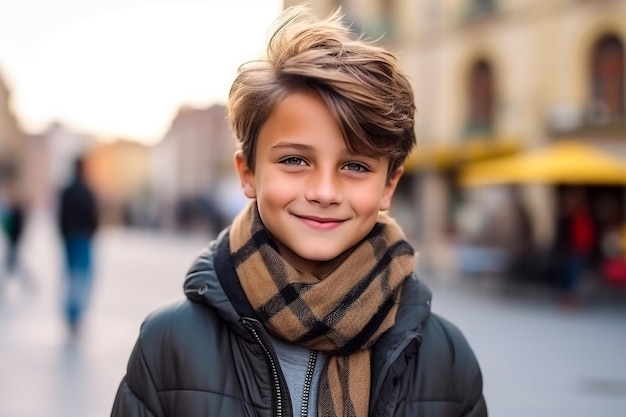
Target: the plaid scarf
(342, 312)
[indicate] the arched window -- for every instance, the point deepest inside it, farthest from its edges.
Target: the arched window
(481, 98)
(478, 8)
(388, 6)
(607, 78)
(387, 16)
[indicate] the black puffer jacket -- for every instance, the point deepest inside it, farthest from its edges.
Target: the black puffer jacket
(199, 358)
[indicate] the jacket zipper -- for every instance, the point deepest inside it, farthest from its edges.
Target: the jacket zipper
(308, 381)
(278, 396)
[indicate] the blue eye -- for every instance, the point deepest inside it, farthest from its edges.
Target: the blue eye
(356, 167)
(293, 160)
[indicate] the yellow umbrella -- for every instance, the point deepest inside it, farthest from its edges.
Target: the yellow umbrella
(566, 162)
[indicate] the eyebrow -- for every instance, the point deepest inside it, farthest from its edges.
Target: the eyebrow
(303, 147)
(300, 146)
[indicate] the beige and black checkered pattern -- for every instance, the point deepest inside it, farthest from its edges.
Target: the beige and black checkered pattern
(342, 311)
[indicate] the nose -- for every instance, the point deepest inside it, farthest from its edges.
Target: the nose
(324, 188)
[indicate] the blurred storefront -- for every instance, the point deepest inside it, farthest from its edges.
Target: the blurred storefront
(494, 78)
(569, 168)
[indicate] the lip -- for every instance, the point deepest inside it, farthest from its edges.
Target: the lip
(320, 223)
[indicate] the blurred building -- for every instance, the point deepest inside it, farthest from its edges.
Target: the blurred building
(37, 175)
(188, 166)
(118, 172)
(11, 136)
(49, 160)
(43, 163)
(493, 77)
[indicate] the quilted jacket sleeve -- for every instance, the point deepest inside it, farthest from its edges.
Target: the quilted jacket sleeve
(468, 376)
(127, 404)
(449, 382)
(475, 405)
(137, 394)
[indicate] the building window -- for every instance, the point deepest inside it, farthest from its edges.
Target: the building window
(478, 8)
(480, 98)
(387, 17)
(607, 80)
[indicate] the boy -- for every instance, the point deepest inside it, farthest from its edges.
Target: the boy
(307, 304)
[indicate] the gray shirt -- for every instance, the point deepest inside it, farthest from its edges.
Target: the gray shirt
(294, 360)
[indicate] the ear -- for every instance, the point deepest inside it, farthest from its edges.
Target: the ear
(246, 176)
(390, 188)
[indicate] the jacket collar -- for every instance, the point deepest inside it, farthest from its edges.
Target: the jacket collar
(204, 279)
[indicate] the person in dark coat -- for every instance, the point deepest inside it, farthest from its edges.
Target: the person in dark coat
(307, 304)
(78, 222)
(575, 241)
(13, 219)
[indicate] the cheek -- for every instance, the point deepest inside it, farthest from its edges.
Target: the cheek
(273, 190)
(367, 198)
(368, 206)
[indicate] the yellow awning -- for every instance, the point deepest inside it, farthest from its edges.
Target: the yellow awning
(437, 158)
(567, 162)
(445, 156)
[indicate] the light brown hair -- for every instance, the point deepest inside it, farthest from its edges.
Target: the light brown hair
(361, 84)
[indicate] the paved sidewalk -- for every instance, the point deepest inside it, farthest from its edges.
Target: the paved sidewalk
(541, 360)
(43, 371)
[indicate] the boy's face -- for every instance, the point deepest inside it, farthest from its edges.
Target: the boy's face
(314, 196)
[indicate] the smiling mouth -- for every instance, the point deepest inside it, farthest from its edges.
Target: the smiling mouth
(321, 219)
(321, 223)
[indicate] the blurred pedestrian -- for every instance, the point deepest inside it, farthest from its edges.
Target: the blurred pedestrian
(308, 303)
(575, 242)
(12, 215)
(78, 222)
(613, 264)
(522, 265)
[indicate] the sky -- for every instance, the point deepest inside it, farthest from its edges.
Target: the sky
(122, 68)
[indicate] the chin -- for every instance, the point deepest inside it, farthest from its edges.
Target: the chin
(321, 257)
(317, 257)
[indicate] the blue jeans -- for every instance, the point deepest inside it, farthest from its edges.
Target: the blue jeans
(79, 273)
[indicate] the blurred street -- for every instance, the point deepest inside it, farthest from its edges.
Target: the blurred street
(537, 359)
